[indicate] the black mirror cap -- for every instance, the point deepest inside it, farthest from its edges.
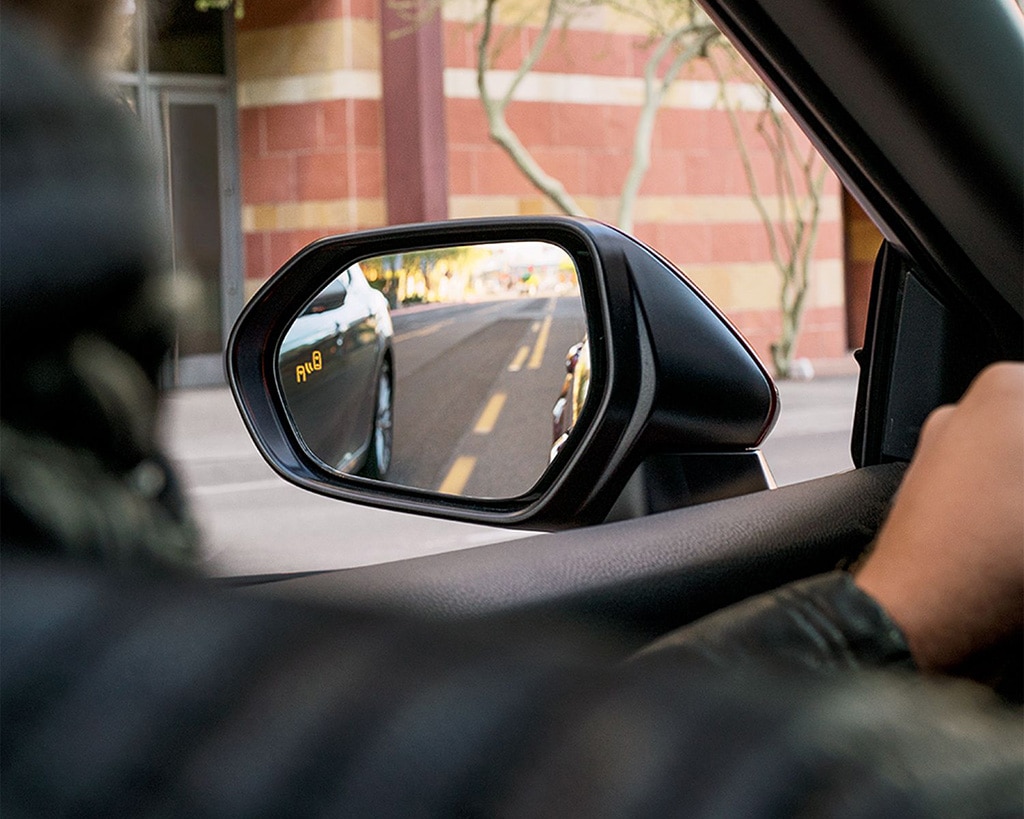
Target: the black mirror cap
(668, 372)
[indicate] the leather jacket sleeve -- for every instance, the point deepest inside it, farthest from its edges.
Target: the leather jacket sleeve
(822, 624)
(138, 696)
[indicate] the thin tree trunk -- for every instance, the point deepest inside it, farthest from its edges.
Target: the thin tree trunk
(498, 127)
(793, 232)
(654, 93)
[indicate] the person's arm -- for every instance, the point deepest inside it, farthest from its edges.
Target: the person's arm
(822, 624)
(945, 577)
(948, 565)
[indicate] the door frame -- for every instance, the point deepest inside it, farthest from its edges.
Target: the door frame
(208, 368)
(147, 90)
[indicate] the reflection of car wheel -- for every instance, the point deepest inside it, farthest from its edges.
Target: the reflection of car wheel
(378, 461)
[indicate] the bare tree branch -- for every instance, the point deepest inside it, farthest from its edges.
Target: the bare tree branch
(680, 29)
(748, 168)
(690, 37)
(793, 231)
(534, 54)
(498, 127)
(654, 93)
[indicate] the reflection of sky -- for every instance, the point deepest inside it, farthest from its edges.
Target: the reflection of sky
(522, 254)
(488, 258)
(486, 269)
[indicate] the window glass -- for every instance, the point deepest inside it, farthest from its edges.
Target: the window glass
(184, 40)
(196, 218)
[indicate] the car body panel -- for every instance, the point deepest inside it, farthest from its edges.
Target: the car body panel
(329, 363)
(569, 404)
(919, 108)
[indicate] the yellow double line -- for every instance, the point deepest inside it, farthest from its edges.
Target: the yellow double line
(539, 347)
(458, 476)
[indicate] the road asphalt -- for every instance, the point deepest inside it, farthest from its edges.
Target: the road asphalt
(254, 522)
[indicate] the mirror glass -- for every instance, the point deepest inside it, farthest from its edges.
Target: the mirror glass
(460, 370)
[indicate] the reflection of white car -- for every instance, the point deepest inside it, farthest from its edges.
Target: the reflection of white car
(337, 371)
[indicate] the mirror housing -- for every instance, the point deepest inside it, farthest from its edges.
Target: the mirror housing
(669, 375)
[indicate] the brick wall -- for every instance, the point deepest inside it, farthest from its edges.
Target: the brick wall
(312, 152)
(310, 129)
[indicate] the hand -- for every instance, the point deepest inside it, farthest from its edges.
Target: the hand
(948, 565)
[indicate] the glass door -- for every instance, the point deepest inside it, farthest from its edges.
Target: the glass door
(205, 241)
(176, 72)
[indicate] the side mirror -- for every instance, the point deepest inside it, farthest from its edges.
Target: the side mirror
(533, 371)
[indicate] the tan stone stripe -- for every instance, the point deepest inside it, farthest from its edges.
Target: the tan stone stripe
(321, 215)
(251, 286)
(460, 83)
(309, 48)
(755, 285)
(590, 89)
(737, 286)
(596, 17)
(320, 87)
(663, 209)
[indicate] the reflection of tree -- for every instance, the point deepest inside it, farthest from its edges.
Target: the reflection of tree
(434, 274)
(455, 274)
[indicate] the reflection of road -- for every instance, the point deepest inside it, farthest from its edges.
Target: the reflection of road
(475, 384)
